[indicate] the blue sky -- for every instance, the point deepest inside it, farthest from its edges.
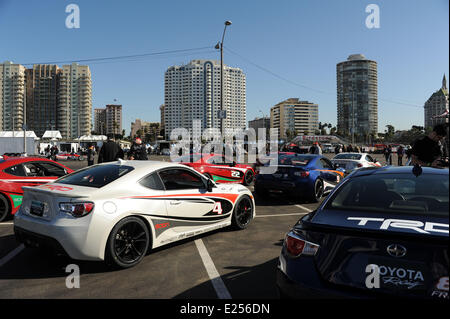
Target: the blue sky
(299, 40)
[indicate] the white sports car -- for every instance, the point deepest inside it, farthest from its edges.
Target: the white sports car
(352, 161)
(117, 211)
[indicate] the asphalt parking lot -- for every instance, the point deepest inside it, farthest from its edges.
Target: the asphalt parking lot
(221, 264)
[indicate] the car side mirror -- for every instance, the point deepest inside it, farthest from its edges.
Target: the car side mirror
(336, 166)
(209, 185)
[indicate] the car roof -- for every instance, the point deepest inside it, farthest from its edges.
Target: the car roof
(17, 160)
(145, 165)
(397, 170)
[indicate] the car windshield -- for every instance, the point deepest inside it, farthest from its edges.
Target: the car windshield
(296, 160)
(348, 156)
(394, 193)
(188, 158)
(96, 176)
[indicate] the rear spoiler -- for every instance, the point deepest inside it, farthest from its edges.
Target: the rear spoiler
(46, 191)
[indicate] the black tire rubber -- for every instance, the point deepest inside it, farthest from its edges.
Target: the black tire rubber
(5, 208)
(317, 195)
(112, 257)
(249, 177)
(241, 219)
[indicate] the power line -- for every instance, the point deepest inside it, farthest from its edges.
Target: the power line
(122, 56)
(304, 86)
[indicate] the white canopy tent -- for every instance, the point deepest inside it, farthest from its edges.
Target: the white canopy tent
(18, 134)
(53, 135)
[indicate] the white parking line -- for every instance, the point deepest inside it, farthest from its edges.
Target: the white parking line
(257, 216)
(8, 223)
(221, 290)
(11, 255)
(304, 208)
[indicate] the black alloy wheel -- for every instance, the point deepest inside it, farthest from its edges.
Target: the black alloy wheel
(318, 190)
(243, 213)
(4, 208)
(249, 177)
(128, 242)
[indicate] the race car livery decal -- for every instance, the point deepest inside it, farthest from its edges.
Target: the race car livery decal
(196, 197)
(331, 171)
(217, 178)
(416, 225)
(57, 188)
(16, 200)
(221, 206)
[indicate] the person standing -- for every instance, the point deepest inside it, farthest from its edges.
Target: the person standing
(137, 151)
(110, 151)
(318, 149)
(426, 151)
(400, 153)
(90, 155)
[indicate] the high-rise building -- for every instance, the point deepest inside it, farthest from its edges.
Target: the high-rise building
(113, 119)
(192, 92)
(100, 121)
(42, 82)
(74, 117)
(260, 122)
(436, 105)
(293, 117)
(357, 96)
(12, 96)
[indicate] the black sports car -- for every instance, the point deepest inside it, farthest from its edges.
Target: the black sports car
(381, 232)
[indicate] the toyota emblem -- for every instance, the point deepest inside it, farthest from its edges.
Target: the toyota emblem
(396, 250)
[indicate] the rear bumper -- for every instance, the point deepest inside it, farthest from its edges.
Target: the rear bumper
(68, 236)
(294, 187)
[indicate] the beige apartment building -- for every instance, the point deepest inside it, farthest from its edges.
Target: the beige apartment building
(74, 115)
(294, 117)
(12, 96)
(140, 128)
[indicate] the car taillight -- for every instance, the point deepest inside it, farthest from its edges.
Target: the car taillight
(77, 209)
(297, 246)
(301, 173)
(359, 165)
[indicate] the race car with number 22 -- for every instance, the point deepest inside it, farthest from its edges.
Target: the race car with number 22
(118, 211)
(219, 168)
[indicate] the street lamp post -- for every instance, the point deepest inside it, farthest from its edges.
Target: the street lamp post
(222, 114)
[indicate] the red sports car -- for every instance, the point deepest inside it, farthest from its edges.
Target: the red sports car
(16, 172)
(219, 168)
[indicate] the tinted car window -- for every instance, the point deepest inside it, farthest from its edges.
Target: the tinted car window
(96, 176)
(297, 160)
(188, 158)
(326, 163)
(348, 156)
(152, 181)
(16, 170)
(175, 179)
(394, 193)
(49, 169)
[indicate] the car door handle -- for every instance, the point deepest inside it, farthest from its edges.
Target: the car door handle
(175, 202)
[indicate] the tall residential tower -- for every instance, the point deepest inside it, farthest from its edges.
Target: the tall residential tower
(192, 92)
(12, 96)
(357, 96)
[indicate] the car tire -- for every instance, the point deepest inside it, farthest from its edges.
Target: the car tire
(249, 177)
(317, 191)
(5, 208)
(243, 213)
(128, 243)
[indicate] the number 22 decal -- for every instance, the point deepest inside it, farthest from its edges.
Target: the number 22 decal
(235, 174)
(217, 208)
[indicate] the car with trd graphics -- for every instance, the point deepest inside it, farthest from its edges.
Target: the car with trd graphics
(118, 211)
(305, 176)
(16, 172)
(219, 168)
(353, 161)
(383, 232)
